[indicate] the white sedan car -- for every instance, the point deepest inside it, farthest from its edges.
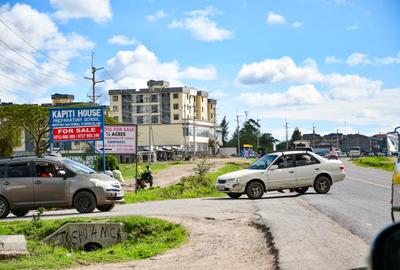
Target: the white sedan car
(294, 170)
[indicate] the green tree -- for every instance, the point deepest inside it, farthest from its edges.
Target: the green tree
(225, 131)
(296, 135)
(267, 141)
(248, 133)
(33, 119)
(110, 121)
(10, 135)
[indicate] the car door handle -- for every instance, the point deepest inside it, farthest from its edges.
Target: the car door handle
(38, 182)
(6, 183)
(291, 171)
(316, 169)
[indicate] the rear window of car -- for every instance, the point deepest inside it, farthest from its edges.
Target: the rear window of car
(2, 171)
(19, 170)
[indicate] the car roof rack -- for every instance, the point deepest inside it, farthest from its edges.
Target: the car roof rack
(30, 155)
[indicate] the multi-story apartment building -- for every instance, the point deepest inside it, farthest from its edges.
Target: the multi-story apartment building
(181, 117)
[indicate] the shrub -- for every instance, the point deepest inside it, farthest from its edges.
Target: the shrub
(111, 162)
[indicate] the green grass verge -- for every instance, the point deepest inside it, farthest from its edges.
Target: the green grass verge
(189, 187)
(146, 238)
(383, 163)
(128, 170)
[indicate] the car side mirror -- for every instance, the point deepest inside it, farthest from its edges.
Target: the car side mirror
(273, 167)
(62, 173)
(385, 252)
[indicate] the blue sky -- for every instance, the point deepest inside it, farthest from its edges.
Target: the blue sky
(314, 62)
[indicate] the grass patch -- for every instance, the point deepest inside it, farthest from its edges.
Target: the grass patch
(191, 186)
(383, 163)
(128, 170)
(146, 238)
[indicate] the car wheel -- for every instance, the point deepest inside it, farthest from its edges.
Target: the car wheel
(85, 202)
(255, 190)
(234, 195)
(4, 208)
(19, 212)
(105, 208)
(301, 190)
(322, 184)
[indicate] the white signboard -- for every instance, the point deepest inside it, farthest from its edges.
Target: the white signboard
(119, 139)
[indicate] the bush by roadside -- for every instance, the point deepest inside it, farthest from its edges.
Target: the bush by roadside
(201, 184)
(383, 163)
(146, 238)
(128, 170)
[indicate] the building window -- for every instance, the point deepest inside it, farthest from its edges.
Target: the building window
(201, 99)
(115, 98)
(154, 119)
(139, 109)
(175, 95)
(115, 108)
(202, 109)
(176, 106)
(187, 97)
(211, 106)
(176, 116)
(116, 118)
(139, 119)
(212, 116)
(154, 98)
(154, 108)
(139, 99)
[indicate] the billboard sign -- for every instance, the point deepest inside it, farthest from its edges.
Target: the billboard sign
(76, 124)
(119, 139)
(88, 159)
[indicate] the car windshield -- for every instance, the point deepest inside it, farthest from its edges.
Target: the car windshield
(262, 163)
(77, 167)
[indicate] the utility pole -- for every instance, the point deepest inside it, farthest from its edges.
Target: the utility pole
(149, 122)
(194, 128)
(358, 139)
(287, 134)
(93, 97)
(238, 133)
(258, 135)
(313, 135)
(337, 139)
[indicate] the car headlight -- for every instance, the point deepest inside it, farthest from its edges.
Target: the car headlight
(234, 180)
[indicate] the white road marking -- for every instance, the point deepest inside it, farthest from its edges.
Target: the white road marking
(367, 182)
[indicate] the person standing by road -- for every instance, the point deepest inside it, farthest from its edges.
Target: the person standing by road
(118, 175)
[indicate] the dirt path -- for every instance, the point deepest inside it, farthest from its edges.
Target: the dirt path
(231, 243)
(174, 173)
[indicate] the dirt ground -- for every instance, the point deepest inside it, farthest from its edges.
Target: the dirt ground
(231, 243)
(173, 174)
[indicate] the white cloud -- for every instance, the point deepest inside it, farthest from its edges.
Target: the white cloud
(156, 16)
(32, 76)
(274, 18)
(98, 10)
(358, 59)
(333, 60)
(297, 24)
(363, 59)
(277, 70)
(295, 95)
(340, 86)
(132, 69)
(122, 40)
(201, 26)
(352, 27)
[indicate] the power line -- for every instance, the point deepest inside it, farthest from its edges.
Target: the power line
(25, 67)
(35, 64)
(30, 45)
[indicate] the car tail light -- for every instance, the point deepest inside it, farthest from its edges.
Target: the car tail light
(342, 167)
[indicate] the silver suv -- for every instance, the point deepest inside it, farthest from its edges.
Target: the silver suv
(32, 182)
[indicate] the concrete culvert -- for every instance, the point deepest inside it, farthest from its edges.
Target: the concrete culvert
(92, 246)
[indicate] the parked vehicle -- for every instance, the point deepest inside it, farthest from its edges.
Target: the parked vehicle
(355, 152)
(332, 156)
(31, 182)
(295, 170)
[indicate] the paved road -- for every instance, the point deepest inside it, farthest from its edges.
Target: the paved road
(361, 203)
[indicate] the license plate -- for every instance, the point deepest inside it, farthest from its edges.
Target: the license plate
(119, 194)
(220, 188)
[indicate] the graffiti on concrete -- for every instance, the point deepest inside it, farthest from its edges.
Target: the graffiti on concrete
(77, 235)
